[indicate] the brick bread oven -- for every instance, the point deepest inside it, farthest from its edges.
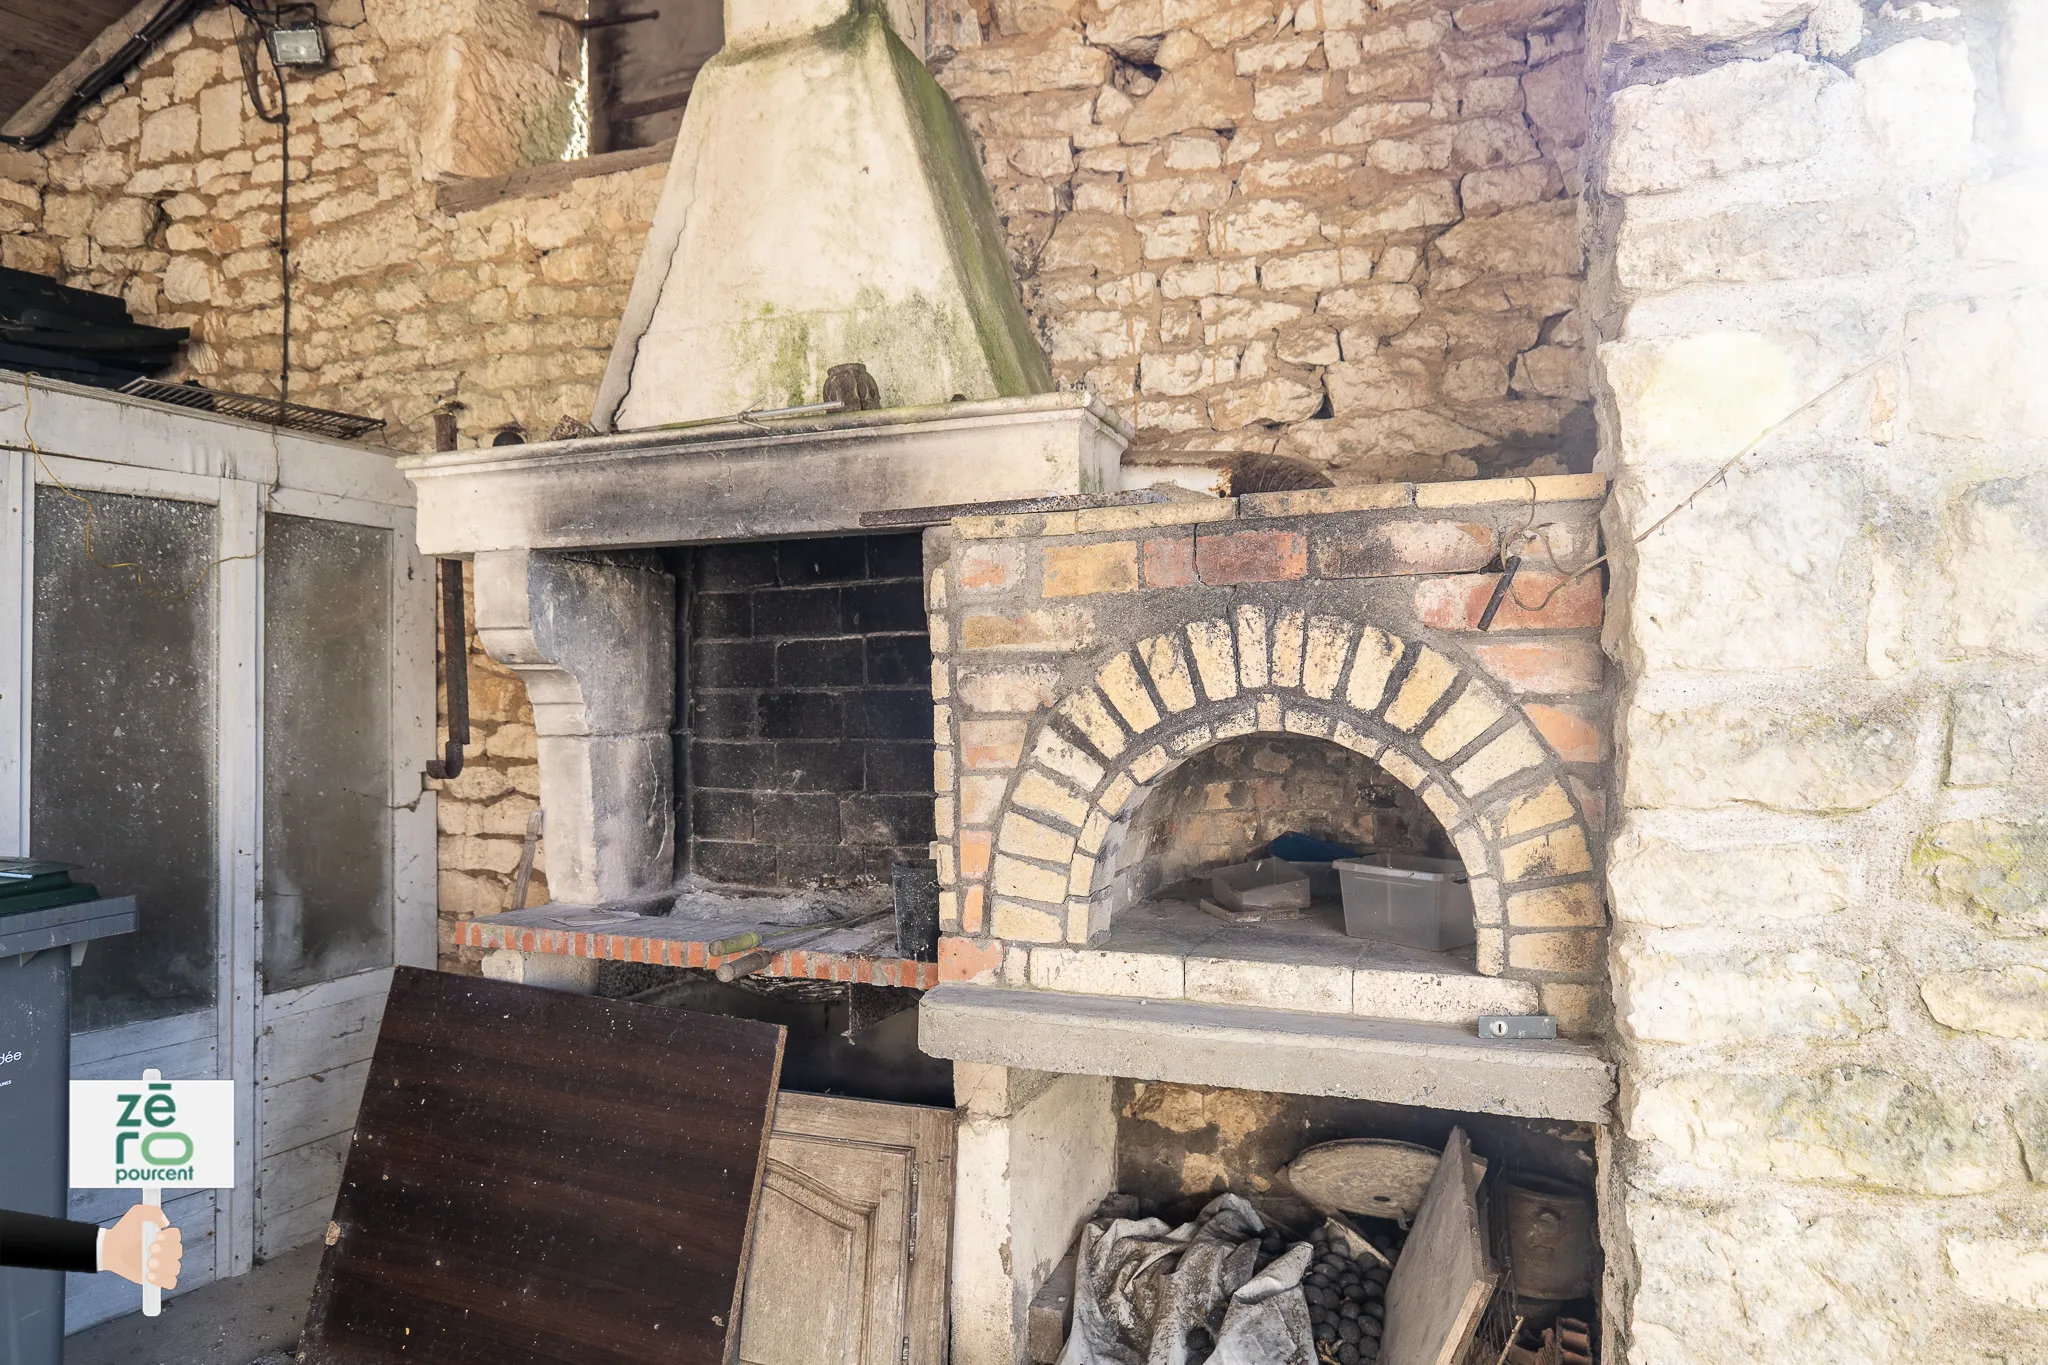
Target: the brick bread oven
(1082, 658)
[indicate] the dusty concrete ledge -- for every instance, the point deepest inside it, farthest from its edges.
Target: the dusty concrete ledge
(1436, 1066)
(753, 480)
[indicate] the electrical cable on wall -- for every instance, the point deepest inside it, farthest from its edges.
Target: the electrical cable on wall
(262, 24)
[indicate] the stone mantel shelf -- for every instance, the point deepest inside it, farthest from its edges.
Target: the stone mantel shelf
(1437, 1066)
(676, 942)
(762, 480)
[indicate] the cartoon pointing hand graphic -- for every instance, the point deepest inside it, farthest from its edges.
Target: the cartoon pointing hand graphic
(31, 1242)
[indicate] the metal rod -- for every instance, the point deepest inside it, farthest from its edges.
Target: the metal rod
(454, 673)
(1500, 591)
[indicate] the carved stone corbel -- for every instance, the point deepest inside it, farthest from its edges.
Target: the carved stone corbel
(593, 636)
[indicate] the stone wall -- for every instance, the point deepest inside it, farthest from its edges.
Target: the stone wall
(1828, 950)
(1342, 230)
(165, 191)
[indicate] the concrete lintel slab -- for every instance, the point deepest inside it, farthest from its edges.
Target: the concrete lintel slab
(1435, 1066)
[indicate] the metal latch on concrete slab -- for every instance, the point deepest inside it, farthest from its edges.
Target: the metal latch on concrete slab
(1517, 1026)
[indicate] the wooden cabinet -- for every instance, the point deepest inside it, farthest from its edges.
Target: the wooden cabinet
(851, 1236)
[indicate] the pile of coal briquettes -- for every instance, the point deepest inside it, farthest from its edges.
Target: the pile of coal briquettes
(1347, 1298)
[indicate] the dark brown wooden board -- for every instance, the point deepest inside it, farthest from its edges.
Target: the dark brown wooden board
(539, 1178)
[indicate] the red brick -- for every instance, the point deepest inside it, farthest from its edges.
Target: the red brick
(1397, 548)
(1545, 665)
(1170, 563)
(1457, 603)
(1576, 739)
(974, 847)
(1251, 557)
(970, 909)
(967, 959)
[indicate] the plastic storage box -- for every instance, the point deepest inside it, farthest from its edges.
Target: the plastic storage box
(1419, 902)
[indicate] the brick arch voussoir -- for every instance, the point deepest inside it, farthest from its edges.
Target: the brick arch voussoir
(1422, 715)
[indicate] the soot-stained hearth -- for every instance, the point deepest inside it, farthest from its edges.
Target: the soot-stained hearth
(804, 748)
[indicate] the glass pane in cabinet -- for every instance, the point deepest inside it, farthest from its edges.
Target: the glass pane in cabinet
(122, 750)
(326, 750)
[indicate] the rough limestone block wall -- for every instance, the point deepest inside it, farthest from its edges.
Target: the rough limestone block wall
(1345, 231)
(1829, 955)
(165, 192)
(1080, 658)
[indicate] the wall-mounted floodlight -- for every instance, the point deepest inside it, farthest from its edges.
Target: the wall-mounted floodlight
(298, 45)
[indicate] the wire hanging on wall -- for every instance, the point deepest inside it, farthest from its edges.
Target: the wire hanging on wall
(262, 22)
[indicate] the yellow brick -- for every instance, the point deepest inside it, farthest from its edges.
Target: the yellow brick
(1559, 853)
(1514, 752)
(1215, 660)
(1371, 497)
(1090, 520)
(1565, 950)
(1080, 875)
(1323, 658)
(1191, 740)
(1120, 789)
(1242, 720)
(942, 725)
(1441, 804)
(1066, 759)
(1372, 665)
(1037, 791)
(992, 743)
(1092, 719)
(1251, 646)
(1401, 768)
(1119, 682)
(1094, 831)
(1025, 923)
(981, 796)
(1469, 717)
(1078, 570)
(1490, 947)
(1033, 883)
(1534, 811)
(1356, 740)
(942, 679)
(1269, 713)
(942, 770)
(1027, 838)
(1485, 900)
(1431, 677)
(1170, 678)
(1306, 723)
(943, 815)
(1543, 488)
(1577, 1009)
(1287, 643)
(1150, 764)
(1576, 905)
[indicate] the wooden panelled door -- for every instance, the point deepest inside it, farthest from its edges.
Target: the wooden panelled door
(852, 1240)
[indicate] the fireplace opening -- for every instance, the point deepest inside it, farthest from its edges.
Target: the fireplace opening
(804, 715)
(1225, 807)
(1297, 1158)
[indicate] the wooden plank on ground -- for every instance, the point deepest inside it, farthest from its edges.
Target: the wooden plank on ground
(1443, 1276)
(540, 1178)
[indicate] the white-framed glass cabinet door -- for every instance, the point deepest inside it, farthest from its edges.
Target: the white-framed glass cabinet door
(216, 693)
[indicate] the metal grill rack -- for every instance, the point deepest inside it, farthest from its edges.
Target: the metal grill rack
(346, 426)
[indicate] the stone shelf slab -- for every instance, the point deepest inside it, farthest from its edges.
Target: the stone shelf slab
(1433, 1065)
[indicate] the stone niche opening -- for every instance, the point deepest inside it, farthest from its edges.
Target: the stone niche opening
(804, 711)
(1147, 1148)
(1225, 805)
